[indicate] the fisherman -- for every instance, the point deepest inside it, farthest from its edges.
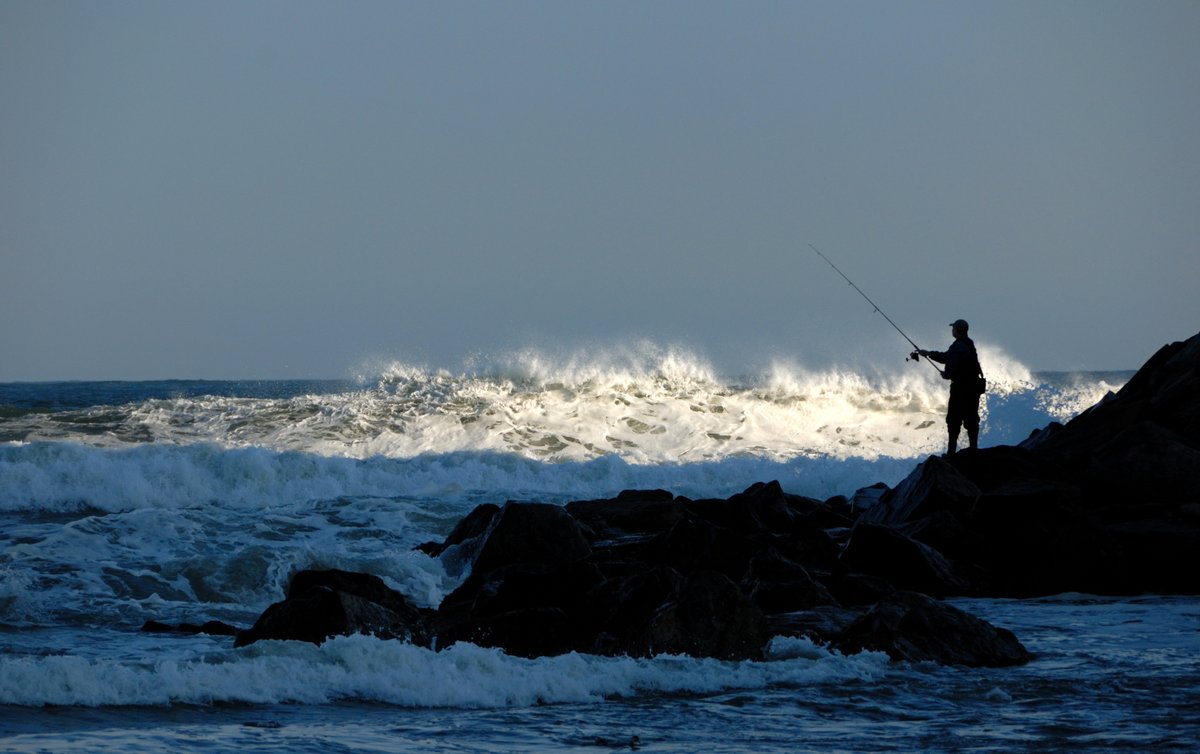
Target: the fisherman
(966, 385)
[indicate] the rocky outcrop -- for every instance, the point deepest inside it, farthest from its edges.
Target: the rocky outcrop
(1102, 504)
(1108, 503)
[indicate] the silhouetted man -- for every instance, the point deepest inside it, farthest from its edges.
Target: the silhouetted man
(966, 385)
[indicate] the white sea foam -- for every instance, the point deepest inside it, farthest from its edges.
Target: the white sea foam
(55, 476)
(528, 425)
(365, 668)
(646, 406)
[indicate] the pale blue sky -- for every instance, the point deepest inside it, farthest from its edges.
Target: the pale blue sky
(291, 189)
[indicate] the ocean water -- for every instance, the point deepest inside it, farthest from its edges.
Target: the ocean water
(189, 501)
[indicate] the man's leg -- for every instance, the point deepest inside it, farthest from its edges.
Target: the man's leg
(953, 445)
(971, 422)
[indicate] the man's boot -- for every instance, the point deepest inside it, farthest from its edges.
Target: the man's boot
(973, 437)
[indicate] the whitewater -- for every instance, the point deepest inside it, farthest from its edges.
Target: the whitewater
(189, 501)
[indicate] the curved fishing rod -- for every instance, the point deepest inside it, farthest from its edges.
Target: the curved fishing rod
(913, 356)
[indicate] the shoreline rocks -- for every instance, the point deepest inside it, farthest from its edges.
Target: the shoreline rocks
(1108, 503)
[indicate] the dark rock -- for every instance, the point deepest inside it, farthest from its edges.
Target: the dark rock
(472, 526)
(632, 512)
(321, 613)
(906, 563)
(1145, 463)
(368, 587)
(522, 606)
(946, 534)
(1161, 553)
(858, 589)
(710, 617)
(622, 609)
(695, 543)
(212, 628)
(809, 545)
(766, 507)
(523, 585)
(530, 533)
(915, 628)
(323, 604)
(933, 486)
(528, 632)
(988, 468)
(778, 585)
(1165, 391)
(763, 507)
(822, 624)
(867, 497)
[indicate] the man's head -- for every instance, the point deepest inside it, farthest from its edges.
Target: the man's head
(959, 328)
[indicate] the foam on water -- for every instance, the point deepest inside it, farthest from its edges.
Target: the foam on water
(653, 409)
(365, 668)
(529, 426)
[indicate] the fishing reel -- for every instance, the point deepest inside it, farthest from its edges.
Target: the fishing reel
(914, 356)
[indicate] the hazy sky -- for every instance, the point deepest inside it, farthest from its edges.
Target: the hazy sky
(293, 189)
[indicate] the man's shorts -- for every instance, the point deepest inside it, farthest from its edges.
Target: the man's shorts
(964, 406)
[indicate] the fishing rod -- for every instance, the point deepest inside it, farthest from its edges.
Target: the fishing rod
(914, 356)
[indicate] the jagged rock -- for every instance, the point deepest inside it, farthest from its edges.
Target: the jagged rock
(934, 485)
(524, 608)
(633, 512)
(695, 543)
(822, 624)
(906, 563)
(1162, 551)
(868, 497)
(1145, 463)
(530, 533)
(1165, 391)
(913, 627)
(946, 534)
(472, 526)
(622, 609)
(364, 585)
(778, 585)
(212, 628)
(858, 589)
(709, 617)
(322, 613)
(988, 468)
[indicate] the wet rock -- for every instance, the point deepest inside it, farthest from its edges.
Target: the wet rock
(320, 614)
(822, 624)
(858, 589)
(709, 617)
(632, 512)
(530, 533)
(906, 563)
(915, 628)
(778, 585)
(622, 608)
(317, 609)
(526, 609)
(935, 485)
(212, 628)
(470, 527)
(695, 543)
